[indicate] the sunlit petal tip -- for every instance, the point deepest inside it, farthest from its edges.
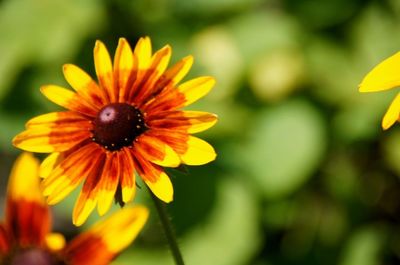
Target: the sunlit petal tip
(122, 40)
(188, 59)
(23, 141)
(81, 214)
(384, 76)
(128, 194)
(98, 44)
(162, 188)
(392, 113)
(52, 200)
(104, 202)
(66, 66)
(199, 152)
(167, 48)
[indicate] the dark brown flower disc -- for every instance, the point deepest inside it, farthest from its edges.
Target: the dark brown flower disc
(117, 125)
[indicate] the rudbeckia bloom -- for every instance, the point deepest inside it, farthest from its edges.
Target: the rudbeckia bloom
(384, 76)
(25, 237)
(131, 121)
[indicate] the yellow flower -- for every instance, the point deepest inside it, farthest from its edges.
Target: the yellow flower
(25, 236)
(384, 76)
(130, 122)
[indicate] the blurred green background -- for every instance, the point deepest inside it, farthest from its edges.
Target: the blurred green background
(304, 174)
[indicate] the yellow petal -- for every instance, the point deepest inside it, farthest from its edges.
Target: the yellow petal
(63, 118)
(196, 88)
(162, 187)
(177, 72)
(143, 53)
(67, 99)
(200, 121)
(124, 225)
(71, 172)
(47, 140)
(160, 62)
(108, 183)
(199, 152)
(81, 82)
(55, 241)
(110, 236)
(123, 67)
(59, 95)
(48, 164)
(24, 181)
(83, 208)
(88, 196)
(104, 69)
(189, 121)
(392, 114)
(385, 75)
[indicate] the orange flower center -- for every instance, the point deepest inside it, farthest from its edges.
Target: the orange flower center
(34, 256)
(118, 125)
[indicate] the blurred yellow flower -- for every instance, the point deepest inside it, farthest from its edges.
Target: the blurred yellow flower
(384, 76)
(130, 122)
(25, 237)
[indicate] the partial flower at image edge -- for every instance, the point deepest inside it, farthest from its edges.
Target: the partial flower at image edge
(26, 237)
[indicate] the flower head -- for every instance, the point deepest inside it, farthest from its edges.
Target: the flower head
(131, 121)
(384, 76)
(25, 237)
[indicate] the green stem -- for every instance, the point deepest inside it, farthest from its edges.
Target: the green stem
(168, 229)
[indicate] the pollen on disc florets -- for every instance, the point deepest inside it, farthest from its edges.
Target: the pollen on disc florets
(118, 125)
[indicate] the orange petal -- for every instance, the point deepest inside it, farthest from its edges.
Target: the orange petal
(88, 196)
(384, 76)
(177, 72)
(65, 118)
(101, 243)
(68, 99)
(86, 87)
(71, 172)
(156, 151)
(104, 70)
(124, 68)
(171, 98)
(170, 78)
(27, 215)
(188, 121)
(392, 114)
(127, 180)
(155, 178)
(108, 182)
(191, 150)
(47, 139)
(158, 65)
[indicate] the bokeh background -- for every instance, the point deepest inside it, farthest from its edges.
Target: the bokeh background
(304, 174)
